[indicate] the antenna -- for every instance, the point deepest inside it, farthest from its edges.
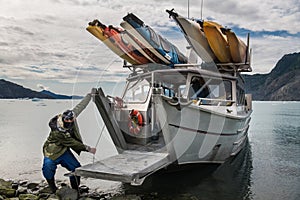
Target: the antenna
(201, 9)
(188, 8)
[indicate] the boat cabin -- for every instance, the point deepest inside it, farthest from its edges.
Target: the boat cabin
(179, 87)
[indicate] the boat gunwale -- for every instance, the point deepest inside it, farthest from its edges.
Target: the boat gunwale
(210, 111)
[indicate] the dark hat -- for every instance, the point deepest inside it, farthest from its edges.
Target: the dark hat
(68, 115)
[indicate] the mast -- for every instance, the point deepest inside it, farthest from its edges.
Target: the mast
(188, 7)
(201, 9)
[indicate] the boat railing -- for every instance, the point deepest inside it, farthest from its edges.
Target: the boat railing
(174, 101)
(214, 102)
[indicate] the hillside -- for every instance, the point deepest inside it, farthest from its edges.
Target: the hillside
(9, 90)
(281, 84)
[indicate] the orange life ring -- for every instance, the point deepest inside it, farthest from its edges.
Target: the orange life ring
(135, 121)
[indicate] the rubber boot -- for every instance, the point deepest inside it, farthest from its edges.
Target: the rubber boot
(75, 182)
(52, 186)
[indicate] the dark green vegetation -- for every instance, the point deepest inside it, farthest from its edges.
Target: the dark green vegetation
(281, 84)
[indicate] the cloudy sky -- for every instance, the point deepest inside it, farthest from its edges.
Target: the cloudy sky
(43, 43)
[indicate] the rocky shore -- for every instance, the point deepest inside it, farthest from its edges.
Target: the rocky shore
(25, 190)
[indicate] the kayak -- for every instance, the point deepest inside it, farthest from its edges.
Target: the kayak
(195, 36)
(217, 41)
(141, 48)
(102, 32)
(159, 46)
(238, 49)
(117, 35)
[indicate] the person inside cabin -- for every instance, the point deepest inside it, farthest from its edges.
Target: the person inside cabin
(198, 88)
(64, 137)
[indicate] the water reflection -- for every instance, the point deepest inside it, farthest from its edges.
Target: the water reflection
(232, 180)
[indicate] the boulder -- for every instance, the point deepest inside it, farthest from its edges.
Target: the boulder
(67, 193)
(28, 197)
(6, 188)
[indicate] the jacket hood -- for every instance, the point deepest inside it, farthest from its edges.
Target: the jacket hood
(53, 123)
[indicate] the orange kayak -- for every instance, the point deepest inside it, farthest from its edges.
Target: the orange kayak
(217, 41)
(97, 29)
(238, 49)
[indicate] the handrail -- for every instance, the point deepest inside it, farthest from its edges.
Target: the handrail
(177, 101)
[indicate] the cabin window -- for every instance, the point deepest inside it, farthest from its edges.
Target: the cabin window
(168, 92)
(220, 89)
(198, 88)
(211, 89)
(137, 91)
(240, 92)
(240, 96)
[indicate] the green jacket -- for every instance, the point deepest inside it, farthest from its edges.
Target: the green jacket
(59, 141)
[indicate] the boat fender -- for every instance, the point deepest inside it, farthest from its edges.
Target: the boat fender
(135, 121)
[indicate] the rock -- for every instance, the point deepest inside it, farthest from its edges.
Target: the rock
(6, 188)
(21, 190)
(6, 184)
(15, 185)
(8, 192)
(28, 197)
(45, 190)
(23, 183)
(83, 189)
(67, 193)
(53, 197)
(44, 196)
(85, 198)
(33, 186)
(126, 197)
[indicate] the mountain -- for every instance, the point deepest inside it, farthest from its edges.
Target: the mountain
(9, 90)
(59, 96)
(281, 84)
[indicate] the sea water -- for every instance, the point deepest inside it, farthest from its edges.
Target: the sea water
(268, 168)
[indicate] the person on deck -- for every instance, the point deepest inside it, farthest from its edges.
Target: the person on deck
(63, 137)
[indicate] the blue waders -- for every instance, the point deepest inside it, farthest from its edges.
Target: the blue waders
(68, 161)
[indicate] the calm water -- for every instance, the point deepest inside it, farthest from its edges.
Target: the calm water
(269, 168)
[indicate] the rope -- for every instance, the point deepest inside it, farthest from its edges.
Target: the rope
(98, 140)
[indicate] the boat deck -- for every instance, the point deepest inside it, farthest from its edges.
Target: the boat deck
(128, 167)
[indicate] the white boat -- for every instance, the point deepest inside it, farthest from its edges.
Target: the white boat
(170, 118)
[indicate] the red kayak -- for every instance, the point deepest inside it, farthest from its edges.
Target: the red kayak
(116, 35)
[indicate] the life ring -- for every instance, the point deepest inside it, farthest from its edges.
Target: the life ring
(135, 121)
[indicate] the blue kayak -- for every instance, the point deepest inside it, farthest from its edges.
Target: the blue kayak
(161, 47)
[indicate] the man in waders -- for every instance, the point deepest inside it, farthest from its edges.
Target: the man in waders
(63, 137)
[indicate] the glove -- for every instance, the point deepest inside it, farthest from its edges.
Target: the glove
(91, 149)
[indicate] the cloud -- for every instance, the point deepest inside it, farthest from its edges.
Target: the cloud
(48, 41)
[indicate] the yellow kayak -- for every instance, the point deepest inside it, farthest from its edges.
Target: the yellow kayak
(217, 41)
(237, 47)
(194, 34)
(98, 32)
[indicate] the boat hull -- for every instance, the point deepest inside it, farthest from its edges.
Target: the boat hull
(197, 135)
